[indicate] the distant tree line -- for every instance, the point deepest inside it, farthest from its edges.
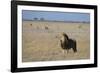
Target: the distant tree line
(41, 19)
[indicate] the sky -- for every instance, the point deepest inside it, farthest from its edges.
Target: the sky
(55, 16)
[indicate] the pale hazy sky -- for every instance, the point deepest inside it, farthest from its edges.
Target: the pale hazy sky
(55, 16)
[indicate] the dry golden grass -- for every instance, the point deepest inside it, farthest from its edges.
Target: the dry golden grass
(40, 43)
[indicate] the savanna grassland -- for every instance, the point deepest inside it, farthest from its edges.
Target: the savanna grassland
(40, 41)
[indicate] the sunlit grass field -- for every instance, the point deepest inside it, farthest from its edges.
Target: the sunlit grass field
(40, 41)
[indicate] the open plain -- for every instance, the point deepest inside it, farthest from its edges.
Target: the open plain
(40, 40)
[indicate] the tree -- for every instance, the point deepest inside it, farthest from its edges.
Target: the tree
(35, 18)
(42, 19)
